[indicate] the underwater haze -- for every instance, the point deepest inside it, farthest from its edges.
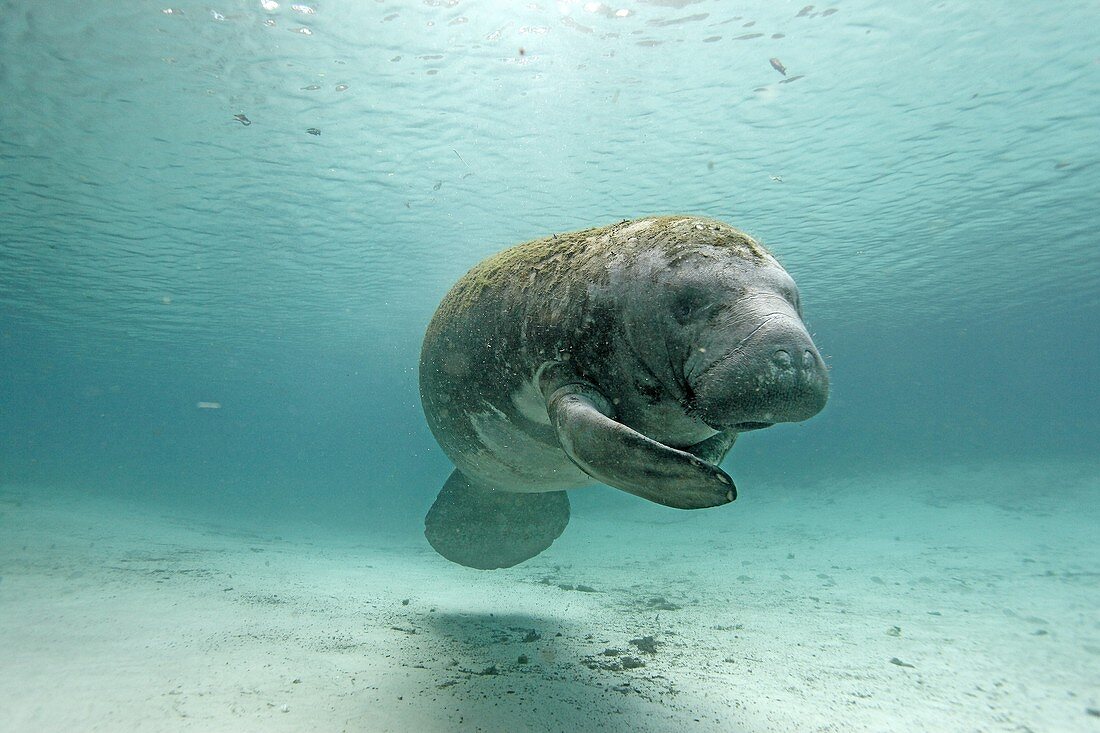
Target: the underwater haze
(224, 228)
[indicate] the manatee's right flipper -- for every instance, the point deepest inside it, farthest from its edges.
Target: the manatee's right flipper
(488, 529)
(619, 456)
(714, 448)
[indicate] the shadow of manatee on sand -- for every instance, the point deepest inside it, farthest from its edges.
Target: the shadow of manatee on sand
(520, 672)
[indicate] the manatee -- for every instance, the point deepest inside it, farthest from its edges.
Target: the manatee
(632, 355)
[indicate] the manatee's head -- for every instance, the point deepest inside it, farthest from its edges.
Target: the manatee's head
(732, 340)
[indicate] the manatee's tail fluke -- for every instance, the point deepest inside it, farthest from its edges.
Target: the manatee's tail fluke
(488, 529)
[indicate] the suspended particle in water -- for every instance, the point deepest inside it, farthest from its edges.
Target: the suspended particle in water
(242, 119)
(313, 131)
(778, 66)
(341, 87)
(209, 405)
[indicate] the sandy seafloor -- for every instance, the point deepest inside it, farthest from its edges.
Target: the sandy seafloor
(884, 603)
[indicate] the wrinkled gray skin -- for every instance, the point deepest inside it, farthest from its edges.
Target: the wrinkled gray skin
(631, 354)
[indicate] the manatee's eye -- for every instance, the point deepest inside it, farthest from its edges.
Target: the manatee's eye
(790, 294)
(691, 303)
(793, 299)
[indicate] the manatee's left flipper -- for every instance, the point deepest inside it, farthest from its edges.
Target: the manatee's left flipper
(714, 448)
(619, 456)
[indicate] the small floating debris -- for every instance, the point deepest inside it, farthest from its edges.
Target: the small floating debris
(778, 65)
(313, 131)
(898, 662)
(341, 87)
(242, 119)
(209, 405)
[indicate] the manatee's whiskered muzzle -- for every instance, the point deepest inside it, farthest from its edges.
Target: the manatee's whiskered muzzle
(776, 376)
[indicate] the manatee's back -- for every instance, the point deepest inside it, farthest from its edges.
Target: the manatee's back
(496, 326)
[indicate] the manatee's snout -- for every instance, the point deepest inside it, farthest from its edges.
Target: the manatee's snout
(799, 382)
(774, 375)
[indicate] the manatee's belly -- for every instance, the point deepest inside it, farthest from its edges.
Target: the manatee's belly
(514, 454)
(497, 432)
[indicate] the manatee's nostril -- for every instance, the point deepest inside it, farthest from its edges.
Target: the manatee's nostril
(809, 360)
(782, 359)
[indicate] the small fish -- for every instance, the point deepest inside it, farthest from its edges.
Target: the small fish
(242, 119)
(778, 66)
(313, 131)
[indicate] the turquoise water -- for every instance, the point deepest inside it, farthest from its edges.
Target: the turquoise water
(928, 175)
(928, 172)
